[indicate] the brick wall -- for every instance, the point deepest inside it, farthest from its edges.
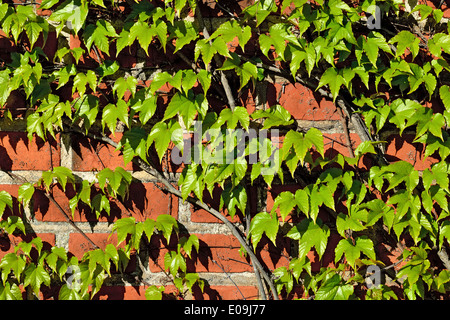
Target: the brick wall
(228, 274)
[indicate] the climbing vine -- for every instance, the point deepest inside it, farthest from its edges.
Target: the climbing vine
(389, 79)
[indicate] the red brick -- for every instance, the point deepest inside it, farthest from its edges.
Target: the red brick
(147, 201)
(78, 244)
(227, 293)
(301, 102)
(90, 154)
(402, 148)
(8, 242)
(18, 153)
(336, 143)
(120, 293)
(144, 201)
(223, 249)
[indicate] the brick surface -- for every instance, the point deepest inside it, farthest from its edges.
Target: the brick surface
(144, 201)
(301, 102)
(402, 148)
(90, 155)
(7, 242)
(223, 249)
(78, 244)
(18, 153)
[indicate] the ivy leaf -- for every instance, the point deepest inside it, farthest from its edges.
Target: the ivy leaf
(334, 81)
(13, 262)
(184, 32)
(233, 197)
(154, 293)
(438, 42)
(262, 223)
(232, 117)
(124, 226)
(406, 39)
(191, 181)
(353, 252)
(161, 134)
(25, 194)
(188, 243)
(74, 11)
(36, 276)
(444, 93)
(166, 224)
(334, 289)
(310, 234)
(160, 29)
(5, 200)
(183, 105)
(275, 116)
(143, 33)
(285, 201)
(245, 71)
(134, 143)
(208, 50)
(98, 35)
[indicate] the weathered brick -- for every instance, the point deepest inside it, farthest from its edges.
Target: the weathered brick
(223, 249)
(301, 102)
(216, 292)
(91, 155)
(18, 153)
(403, 148)
(8, 242)
(78, 244)
(121, 293)
(144, 201)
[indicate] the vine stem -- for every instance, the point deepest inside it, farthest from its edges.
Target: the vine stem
(223, 78)
(170, 188)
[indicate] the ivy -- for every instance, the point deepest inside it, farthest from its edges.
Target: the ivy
(381, 81)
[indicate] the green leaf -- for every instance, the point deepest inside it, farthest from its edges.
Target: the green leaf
(166, 224)
(234, 197)
(286, 202)
(143, 33)
(36, 276)
(406, 39)
(275, 116)
(124, 226)
(25, 194)
(5, 200)
(184, 32)
(232, 117)
(262, 223)
(334, 81)
(74, 11)
(154, 293)
(161, 134)
(188, 243)
(183, 105)
(191, 181)
(353, 252)
(334, 289)
(310, 234)
(208, 50)
(98, 35)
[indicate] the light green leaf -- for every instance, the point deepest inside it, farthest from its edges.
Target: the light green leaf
(262, 223)
(310, 234)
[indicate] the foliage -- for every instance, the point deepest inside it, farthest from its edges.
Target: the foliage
(386, 78)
